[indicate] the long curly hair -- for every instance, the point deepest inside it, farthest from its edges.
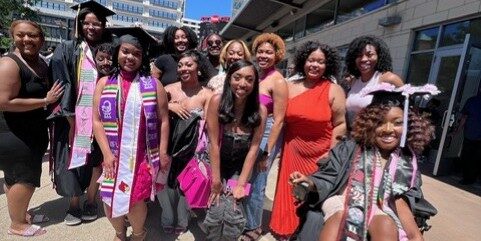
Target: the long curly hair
(275, 40)
(420, 128)
(331, 54)
(168, 45)
(384, 61)
(251, 117)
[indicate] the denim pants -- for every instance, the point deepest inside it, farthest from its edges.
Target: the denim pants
(174, 208)
(254, 203)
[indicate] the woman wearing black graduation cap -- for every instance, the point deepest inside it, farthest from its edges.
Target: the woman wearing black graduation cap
(369, 184)
(131, 125)
(74, 152)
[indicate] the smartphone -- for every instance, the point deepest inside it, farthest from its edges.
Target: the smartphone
(300, 191)
(232, 183)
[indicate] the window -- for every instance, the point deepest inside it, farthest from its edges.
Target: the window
(287, 32)
(320, 18)
(419, 68)
(128, 8)
(299, 29)
(351, 9)
(165, 3)
(51, 5)
(454, 33)
(426, 39)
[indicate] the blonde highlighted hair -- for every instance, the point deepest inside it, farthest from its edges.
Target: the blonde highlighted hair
(223, 52)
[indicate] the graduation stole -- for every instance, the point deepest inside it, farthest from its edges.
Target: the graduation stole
(396, 178)
(117, 192)
(87, 77)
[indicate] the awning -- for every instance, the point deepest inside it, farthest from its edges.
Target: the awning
(257, 16)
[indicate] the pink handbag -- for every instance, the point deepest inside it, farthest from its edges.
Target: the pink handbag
(195, 179)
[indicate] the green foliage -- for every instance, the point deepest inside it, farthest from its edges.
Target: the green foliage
(12, 10)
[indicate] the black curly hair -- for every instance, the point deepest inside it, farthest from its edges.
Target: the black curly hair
(384, 61)
(144, 67)
(168, 45)
(332, 57)
(420, 128)
(106, 36)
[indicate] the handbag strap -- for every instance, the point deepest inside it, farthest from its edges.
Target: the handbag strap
(201, 136)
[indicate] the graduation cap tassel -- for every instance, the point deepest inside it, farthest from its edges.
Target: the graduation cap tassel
(76, 23)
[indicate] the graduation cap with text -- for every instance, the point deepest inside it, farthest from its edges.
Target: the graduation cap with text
(402, 97)
(134, 35)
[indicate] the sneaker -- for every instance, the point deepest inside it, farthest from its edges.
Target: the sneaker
(73, 217)
(90, 212)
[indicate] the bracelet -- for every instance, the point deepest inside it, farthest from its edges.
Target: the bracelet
(45, 104)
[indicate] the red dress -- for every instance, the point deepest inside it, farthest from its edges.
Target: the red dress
(307, 136)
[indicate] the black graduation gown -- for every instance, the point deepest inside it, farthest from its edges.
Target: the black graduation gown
(330, 179)
(63, 67)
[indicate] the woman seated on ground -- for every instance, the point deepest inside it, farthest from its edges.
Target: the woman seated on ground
(232, 51)
(235, 123)
(188, 101)
(362, 187)
(132, 129)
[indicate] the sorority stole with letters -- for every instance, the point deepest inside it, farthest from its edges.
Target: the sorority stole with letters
(87, 78)
(116, 192)
(371, 188)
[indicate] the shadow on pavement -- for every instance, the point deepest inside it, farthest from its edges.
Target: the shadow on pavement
(56, 209)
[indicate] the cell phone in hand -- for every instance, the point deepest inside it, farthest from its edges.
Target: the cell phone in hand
(300, 191)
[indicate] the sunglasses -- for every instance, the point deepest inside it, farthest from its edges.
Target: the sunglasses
(217, 42)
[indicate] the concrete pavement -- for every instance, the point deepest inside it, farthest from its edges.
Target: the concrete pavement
(459, 216)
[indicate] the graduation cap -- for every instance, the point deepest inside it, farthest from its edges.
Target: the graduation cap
(134, 35)
(96, 7)
(403, 97)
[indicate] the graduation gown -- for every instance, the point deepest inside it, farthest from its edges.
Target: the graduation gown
(331, 179)
(63, 67)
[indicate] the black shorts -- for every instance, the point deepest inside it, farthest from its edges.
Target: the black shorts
(95, 157)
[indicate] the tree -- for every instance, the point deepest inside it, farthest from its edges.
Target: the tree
(12, 10)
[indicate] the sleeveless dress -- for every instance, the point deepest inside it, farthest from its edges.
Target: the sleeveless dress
(355, 100)
(23, 135)
(307, 136)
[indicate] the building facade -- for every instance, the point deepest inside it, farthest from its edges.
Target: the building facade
(57, 18)
(192, 23)
(237, 6)
(431, 41)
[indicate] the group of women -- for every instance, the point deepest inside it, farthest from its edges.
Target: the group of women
(127, 130)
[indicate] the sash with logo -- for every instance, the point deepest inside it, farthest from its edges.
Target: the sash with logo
(142, 96)
(87, 78)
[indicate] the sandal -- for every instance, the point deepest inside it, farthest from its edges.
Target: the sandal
(251, 235)
(32, 230)
(138, 236)
(122, 236)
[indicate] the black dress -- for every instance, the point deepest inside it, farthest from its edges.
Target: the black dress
(23, 135)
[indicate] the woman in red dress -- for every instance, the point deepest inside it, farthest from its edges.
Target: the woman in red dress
(315, 118)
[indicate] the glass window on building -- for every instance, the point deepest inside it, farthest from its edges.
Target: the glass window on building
(351, 9)
(299, 29)
(320, 18)
(454, 33)
(287, 32)
(426, 39)
(419, 68)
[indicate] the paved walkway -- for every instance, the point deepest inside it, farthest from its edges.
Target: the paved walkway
(459, 215)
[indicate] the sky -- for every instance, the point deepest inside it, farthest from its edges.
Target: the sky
(195, 9)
